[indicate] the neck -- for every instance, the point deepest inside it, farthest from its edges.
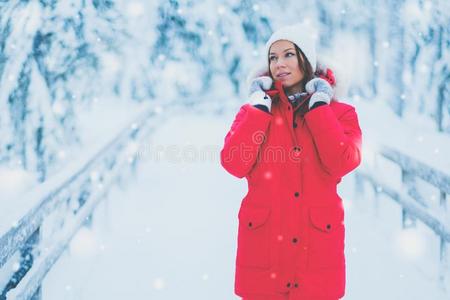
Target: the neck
(296, 88)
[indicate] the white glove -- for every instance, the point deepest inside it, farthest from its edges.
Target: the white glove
(320, 89)
(256, 91)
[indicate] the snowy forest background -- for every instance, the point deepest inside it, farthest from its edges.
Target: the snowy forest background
(58, 58)
(76, 74)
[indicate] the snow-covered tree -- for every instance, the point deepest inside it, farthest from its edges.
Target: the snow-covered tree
(57, 56)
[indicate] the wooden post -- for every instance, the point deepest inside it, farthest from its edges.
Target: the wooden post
(88, 221)
(359, 185)
(378, 189)
(26, 262)
(37, 295)
(407, 220)
(358, 191)
(443, 200)
(444, 263)
(408, 180)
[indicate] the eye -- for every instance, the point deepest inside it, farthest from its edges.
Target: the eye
(289, 54)
(272, 58)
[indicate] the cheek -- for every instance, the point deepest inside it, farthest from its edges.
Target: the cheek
(272, 69)
(298, 73)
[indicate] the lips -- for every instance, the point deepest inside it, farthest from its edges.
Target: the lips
(283, 75)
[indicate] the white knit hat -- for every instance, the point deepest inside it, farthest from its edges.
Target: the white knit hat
(301, 34)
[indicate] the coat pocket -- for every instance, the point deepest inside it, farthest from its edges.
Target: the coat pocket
(253, 237)
(326, 237)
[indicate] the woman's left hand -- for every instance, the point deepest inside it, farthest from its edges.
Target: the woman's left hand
(321, 90)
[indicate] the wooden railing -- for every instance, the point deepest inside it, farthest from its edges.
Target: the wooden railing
(413, 204)
(34, 243)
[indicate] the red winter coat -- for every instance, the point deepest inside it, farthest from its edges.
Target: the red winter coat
(291, 222)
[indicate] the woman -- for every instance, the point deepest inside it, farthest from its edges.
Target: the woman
(293, 142)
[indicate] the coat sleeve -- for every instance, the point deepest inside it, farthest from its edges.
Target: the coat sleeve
(244, 139)
(337, 139)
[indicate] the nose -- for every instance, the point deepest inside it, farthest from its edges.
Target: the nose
(280, 64)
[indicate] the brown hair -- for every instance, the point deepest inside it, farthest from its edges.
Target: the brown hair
(305, 67)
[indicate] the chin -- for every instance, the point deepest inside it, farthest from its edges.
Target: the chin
(288, 84)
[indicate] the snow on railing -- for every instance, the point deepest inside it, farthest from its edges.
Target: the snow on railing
(35, 242)
(413, 204)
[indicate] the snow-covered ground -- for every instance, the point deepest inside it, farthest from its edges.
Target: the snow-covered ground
(170, 232)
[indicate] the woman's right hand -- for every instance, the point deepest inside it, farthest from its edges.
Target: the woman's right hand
(256, 91)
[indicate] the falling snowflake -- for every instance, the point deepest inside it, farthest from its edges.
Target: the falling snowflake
(161, 57)
(224, 40)
(16, 266)
(58, 108)
(84, 244)
(61, 154)
(279, 121)
(134, 9)
(158, 109)
(221, 10)
(94, 176)
(409, 244)
(158, 284)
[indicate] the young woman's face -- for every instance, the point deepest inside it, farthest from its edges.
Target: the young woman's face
(283, 63)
